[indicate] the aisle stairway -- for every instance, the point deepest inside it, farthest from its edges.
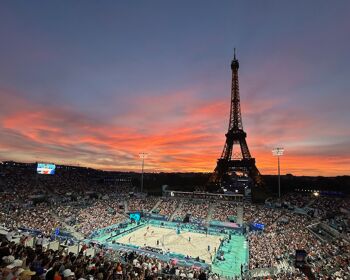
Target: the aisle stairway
(239, 214)
(126, 210)
(211, 210)
(69, 228)
(156, 206)
(176, 210)
(309, 203)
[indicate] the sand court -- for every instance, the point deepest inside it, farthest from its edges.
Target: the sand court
(186, 243)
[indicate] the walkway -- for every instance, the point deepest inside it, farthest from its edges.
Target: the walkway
(176, 210)
(156, 206)
(212, 207)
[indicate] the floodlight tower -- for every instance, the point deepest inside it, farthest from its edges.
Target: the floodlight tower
(278, 152)
(142, 156)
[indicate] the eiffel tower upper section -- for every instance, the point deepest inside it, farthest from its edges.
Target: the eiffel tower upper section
(235, 134)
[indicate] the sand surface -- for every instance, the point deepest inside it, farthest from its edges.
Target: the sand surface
(169, 240)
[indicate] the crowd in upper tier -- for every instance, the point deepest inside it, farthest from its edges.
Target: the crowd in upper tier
(167, 207)
(224, 207)
(198, 210)
(142, 204)
(72, 202)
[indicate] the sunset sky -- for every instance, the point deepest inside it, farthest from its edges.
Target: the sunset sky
(97, 82)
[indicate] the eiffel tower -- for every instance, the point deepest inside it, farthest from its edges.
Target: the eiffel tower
(236, 169)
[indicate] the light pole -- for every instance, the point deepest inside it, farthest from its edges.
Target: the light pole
(143, 156)
(278, 152)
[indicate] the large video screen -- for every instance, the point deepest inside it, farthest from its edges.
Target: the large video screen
(135, 216)
(46, 168)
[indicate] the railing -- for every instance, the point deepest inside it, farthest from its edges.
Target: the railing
(260, 272)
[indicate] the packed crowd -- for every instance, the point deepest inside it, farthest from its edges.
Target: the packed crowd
(19, 262)
(279, 241)
(224, 210)
(299, 200)
(260, 214)
(39, 218)
(198, 210)
(53, 202)
(142, 204)
(324, 206)
(99, 215)
(287, 231)
(168, 206)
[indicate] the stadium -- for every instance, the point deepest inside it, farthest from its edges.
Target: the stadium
(174, 140)
(101, 221)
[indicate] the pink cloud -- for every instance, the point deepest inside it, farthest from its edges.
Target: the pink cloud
(190, 141)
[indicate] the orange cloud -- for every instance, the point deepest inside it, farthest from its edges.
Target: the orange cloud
(185, 134)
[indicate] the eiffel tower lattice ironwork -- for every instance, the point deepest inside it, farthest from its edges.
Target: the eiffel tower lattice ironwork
(235, 163)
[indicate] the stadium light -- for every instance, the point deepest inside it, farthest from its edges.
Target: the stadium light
(278, 152)
(143, 156)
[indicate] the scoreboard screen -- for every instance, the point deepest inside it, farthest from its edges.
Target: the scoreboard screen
(46, 168)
